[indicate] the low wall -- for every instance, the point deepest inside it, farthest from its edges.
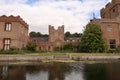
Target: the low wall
(56, 57)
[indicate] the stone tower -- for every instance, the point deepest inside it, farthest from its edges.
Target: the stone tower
(56, 36)
(111, 10)
(110, 23)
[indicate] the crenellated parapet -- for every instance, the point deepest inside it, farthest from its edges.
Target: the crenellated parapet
(111, 10)
(56, 35)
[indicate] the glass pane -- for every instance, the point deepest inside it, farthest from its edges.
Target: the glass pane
(109, 28)
(112, 46)
(7, 41)
(8, 27)
(112, 41)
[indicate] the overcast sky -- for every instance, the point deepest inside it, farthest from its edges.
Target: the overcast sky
(74, 14)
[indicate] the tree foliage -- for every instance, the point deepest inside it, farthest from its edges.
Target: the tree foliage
(92, 39)
(68, 34)
(67, 48)
(31, 47)
(37, 34)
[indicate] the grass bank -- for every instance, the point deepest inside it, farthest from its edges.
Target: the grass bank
(58, 53)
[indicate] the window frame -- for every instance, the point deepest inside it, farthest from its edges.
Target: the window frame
(8, 26)
(7, 43)
(112, 43)
(109, 28)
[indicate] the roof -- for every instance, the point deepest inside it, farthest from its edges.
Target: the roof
(72, 38)
(40, 39)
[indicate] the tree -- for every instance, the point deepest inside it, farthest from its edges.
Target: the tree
(77, 34)
(32, 34)
(67, 34)
(45, 35)
(38, 34)
(92, 39)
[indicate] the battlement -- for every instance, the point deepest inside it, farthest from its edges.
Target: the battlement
(111, 10)
(51, 28)
(56, 35)
(115, 1)
(12, 18)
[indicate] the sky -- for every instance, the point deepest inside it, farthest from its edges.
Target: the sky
(73, 14)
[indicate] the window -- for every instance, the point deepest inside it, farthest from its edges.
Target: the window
(7, 44)
(8, 27)
(113, 10)
(48, 48)
(109, 28)
(67, 40)
(73, 40)
(40, 48)
(112, 43)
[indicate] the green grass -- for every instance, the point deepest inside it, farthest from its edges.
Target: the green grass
(58, 53)
(94, 54)
(35, 54)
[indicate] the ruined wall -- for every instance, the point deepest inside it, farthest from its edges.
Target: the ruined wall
(56, 36)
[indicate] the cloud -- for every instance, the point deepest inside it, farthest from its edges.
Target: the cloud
(74, 14)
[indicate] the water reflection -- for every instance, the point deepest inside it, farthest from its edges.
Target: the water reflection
(61, 71)
(42, 75)
(95, 72)
(4, 72)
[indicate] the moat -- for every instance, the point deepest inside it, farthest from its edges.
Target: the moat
(62, 71)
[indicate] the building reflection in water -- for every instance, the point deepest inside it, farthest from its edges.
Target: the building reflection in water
(102, 71)
(61, 71)
(12, 72)
(4, 72)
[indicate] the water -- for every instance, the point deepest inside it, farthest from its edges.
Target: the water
(61, 71)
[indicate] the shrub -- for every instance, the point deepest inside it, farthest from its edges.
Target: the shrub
(31, 47)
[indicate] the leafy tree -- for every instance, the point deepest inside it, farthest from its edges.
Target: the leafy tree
(45, 35)
(67, 34)
(77, 34)
(38, 34)
(92, 39)
(32, 34)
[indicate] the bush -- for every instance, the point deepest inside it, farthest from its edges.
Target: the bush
(66, 48)
(113, 51)
(31, 47)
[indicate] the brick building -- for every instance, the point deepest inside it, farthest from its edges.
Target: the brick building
(110, 23)
(13, 32)
(56, 39)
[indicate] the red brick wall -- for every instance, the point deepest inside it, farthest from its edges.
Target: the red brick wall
(18, 33)
(56, 36)
(114, 34)
(111, 10)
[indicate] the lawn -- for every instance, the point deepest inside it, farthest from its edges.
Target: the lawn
(58, 53)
